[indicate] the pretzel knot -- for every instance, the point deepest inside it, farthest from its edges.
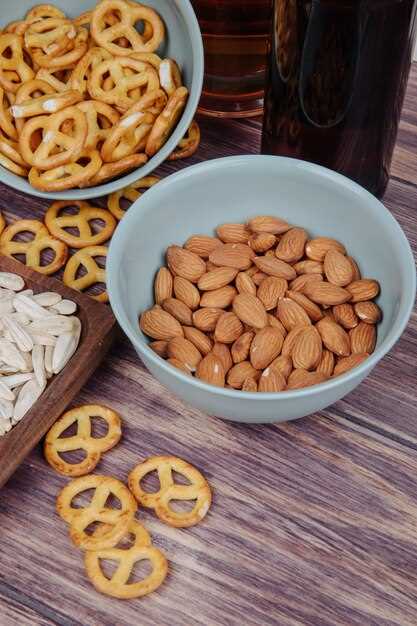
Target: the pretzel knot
(6, 120)
(50, 34)
(166, 121)
(32, 250)
(188, 144)
(26, 92)
(110, 170)
(97, 510)
(101, 118)
(69, 175)
(16, 63)
(198, 490)
(131, 193)
(57, 224)
(82, 440)
(118, 585)
(94, 273)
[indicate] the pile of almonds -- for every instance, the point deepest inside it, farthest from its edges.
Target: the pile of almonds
(261, 307)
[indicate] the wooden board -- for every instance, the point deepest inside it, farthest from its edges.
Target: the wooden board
(313, 523)
(98, 328)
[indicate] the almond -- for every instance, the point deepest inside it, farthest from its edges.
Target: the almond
(337, 268)
(368, 312)
(345, 315)
(250, 310)
(363, 289)
(258, 277)
(233, 233)
(291, 314)
(206, 319)
(309, 267)
(313, 311)
(185, 291)
(291, 245)
(198, 339)
(283, 363)
(265, 347)
(326, 364)
(159, 324)
(250, 384)
(219, 277)
(239, 373)
(316, 249)
(240, 348)
(363, 338)
(356, 271)
(268, 224)
(326, 293)
(179, 310)
(219, 298)
(163, 285)
(290, 339)
(348, 362)
(275, 267)
(210, 266)
(235, 255)
(228, 328)
(261, 242)
(271, 381)
(270, 290)
(185, 352)
(160, 347)
(334, 337)
(307, 350)
(185, 263)
(223, 352)
(275, 323)
(179, 365)
(202, 245)
(210, 370)
(300, 378)
(245, 284)
(301, 281)
(251, 271)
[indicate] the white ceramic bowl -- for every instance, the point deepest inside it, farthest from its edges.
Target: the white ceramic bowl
(183, 42)
(234, 189)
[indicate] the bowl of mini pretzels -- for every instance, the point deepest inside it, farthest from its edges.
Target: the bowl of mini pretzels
(94, 96)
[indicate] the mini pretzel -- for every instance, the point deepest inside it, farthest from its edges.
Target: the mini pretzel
(188, 144)
(43, 11)
(95, 274)
(59, 80)
(111, 170)
(10, 149)
(32, 250)
(57, 224)
(118, 586)
(166, 121)
(106, 36)
(198, 490)
(83, 19)
(97, 511)
(147, 57)
(52, 34)
(16, 63)
(67, 58)
(12, 166)
(101, 118)
(169, 76)
(49, 103)
(32, 89)
(82, 440)
(131, 193)
(70, 146)
(6, 120)
(69, 175)
(84, 66)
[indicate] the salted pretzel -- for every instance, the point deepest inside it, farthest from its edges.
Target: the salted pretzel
(52, 34)
(132, 193)
(67, 58)
(188, 144)
(43, 11)
(58, 79)
(6, 120)
(16, 63)
(55, 444)
(69, 175)
(198, 490)
(13, 167)
(82, 70)
(32, 250)
(129, 13)
(169, 76)
(94, 273)
(145, 77)
(166, 121)
(101, 118)
(10, 150)
(117, 520)
(147, 57)
(111, 170)
(57, 224)
(118, 585)
(69, 145)
(49, 103)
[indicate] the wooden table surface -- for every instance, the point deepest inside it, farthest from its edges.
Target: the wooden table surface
(313, 522)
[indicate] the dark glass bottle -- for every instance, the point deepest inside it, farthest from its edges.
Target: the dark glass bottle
(337, 75)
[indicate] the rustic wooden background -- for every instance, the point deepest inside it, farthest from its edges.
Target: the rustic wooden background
(314, 523)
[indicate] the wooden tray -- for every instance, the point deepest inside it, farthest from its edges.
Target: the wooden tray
(98, 330)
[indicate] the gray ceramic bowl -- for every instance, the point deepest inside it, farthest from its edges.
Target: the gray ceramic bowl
(183, 43)
(233, 189)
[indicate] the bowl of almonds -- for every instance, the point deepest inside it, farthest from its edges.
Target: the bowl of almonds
(260, 288)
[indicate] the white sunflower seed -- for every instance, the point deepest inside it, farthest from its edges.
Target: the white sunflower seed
(10, 355)
(65, 307)
(11, 281)
(47, 298)
(42, 339)
(39, 364)
(25, 304)
(5, 392)
(29, 393)
(18, 334)
(52, 325)
(15, 380)
(6, 409)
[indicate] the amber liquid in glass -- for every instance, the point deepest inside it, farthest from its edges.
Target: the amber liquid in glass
(336, 81)
(235, 37)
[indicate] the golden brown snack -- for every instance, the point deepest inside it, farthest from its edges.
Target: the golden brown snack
(57, 224)
(188, 144)
(74, 174)
(132, 193)
(94, 273)
(166, 121)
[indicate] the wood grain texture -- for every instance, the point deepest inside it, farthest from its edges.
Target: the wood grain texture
(313, 523)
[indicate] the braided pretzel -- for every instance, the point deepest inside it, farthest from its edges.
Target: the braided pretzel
(32, 250)
(198, 490)
(95, 274)
(67, 58)
(131, 193)
(111, 170)
(130, 13)
(6, 120)
(67, 176)
(59, 80)
(70, 146)
(45, 104)
(84, 66)
(82, 440)
(16, 63)
(118, 586)
(166, 121)
(51, 34)
(101, 118)
(169, 76)
(188, 144)
(43, 11)
(80, 518)
(56, 224)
